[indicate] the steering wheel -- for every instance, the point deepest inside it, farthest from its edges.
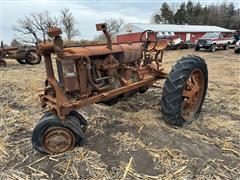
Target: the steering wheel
(147, 40)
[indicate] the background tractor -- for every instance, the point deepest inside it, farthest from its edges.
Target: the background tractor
(105, 74)
(23, 55)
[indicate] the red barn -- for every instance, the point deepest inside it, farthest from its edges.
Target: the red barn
(188, 33)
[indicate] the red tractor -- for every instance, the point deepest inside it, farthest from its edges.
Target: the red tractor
(105, 74)
(23, 55)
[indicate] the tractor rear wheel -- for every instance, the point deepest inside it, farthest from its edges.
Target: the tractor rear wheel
(53, 136)
(184, 91)
(21, 61)
(33, 58)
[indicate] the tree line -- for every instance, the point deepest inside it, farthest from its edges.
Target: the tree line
(224, 15)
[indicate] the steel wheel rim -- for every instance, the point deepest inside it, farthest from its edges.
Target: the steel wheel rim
(57, 140)
(192, 94)
(33, 57)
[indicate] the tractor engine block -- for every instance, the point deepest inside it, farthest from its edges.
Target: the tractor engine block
(84, 75)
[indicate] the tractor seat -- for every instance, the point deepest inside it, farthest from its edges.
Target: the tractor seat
(161, 44)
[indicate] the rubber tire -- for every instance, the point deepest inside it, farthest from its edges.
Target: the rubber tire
(52, 120)
(81, 119)
(142, 90)
(29, 62)
(21, 61)
(47, 114)
(111, 102)
(226, 47)
(213, 47)
(237, 51)
(197, 48)
(173, 87)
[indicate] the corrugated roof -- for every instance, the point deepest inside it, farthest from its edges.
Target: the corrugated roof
(140, 27)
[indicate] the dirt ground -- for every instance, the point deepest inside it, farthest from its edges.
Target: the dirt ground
(127, 140)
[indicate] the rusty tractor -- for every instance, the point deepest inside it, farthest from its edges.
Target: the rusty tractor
(105, 74)
(23, 55)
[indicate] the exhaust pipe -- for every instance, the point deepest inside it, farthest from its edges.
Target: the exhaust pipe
(103, 27)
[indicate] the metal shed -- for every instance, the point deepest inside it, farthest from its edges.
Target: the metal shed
(188, 33)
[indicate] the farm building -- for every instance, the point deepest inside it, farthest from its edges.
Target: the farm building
(188, 33)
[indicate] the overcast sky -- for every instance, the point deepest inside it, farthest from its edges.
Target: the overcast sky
(87, 13)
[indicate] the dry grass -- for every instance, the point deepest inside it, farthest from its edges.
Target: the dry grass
(128, 140)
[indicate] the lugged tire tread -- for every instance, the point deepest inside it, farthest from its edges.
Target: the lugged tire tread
(173, 87)
(49, 119)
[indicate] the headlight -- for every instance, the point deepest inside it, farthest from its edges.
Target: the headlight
(209, 41)
(238, 43)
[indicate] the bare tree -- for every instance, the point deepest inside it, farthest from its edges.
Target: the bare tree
(68, 23)
(33, 28)
(113, 27)
(25, 31)
(15, 43)
(42, 22)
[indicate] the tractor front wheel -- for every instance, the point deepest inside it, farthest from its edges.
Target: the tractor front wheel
(53, 136)
(184, 91)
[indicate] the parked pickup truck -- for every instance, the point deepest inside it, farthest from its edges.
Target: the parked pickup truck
(212, 41)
